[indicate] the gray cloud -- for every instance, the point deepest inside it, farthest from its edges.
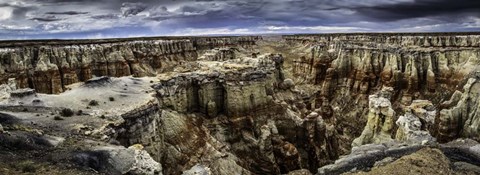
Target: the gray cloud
(132, 8)
(17, 11)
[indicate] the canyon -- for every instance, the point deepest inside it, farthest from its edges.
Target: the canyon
(360, 103)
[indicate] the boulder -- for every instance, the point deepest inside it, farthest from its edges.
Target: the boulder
(288, 83)
(300, 172)
(120, 160)
(5, 89)
(198, 170)
(410, 130)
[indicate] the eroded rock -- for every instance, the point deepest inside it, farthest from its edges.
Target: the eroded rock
(414, 124)
(6, 89)
(380, 119)
(462, 119)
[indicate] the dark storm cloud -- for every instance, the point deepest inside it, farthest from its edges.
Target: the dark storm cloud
(421, 8)
(66, 13)
(46, 19)
(132, 8)
(105, 16)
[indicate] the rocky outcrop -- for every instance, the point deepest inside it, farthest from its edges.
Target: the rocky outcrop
(213, 42)
(322, 139)
(6, 89)
(197, 169)
(365, 156)
(457, 157)
(234, 88)
(142, 126)
(229, 88)
(413, 126)
(241, 101)
(424, 161)
(380, 119)
(218, 54)
(188, 144)
(461, 116)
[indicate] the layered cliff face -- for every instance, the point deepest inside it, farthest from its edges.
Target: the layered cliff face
(461, 115)
(364, 68)
(238, 111)
(49, 67)
(348, 68)
(230, 88)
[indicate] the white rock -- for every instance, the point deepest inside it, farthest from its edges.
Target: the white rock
(131, 160)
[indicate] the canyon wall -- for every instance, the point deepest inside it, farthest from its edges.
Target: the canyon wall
(347, 68)
(49, 67)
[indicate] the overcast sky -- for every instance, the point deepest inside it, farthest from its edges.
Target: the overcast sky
(26, 19)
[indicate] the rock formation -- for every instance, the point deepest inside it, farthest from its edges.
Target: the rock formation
(414, 124)
(6, 89)
(380, 119)
(221, 89)
(461, 116)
